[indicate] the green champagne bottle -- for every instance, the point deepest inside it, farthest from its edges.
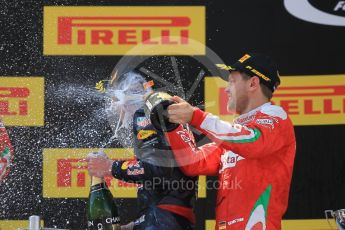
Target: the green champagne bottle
(102, 212)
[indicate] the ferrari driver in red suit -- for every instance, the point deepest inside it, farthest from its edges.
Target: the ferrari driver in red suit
(6, 152)
(252, 156)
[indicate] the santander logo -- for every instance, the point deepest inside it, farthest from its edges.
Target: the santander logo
(303, 10)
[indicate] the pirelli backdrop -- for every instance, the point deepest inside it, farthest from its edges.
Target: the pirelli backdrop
(54, 52)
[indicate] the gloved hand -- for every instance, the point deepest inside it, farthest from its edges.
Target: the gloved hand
(99, 164)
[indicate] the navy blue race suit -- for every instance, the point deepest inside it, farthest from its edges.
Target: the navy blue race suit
(165, 195)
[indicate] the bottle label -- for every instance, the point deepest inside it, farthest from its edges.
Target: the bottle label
(102, 224)
(98, 187)
(96, 180)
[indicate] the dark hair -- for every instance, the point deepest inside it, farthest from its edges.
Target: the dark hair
(264, 89)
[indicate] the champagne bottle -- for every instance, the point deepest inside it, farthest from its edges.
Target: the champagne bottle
(155, 108)
(102, 212)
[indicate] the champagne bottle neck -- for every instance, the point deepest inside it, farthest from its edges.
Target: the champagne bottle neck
(96, 180)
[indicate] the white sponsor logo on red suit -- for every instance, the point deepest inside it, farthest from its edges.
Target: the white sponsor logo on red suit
(229, 160)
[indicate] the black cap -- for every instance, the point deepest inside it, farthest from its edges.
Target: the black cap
(256, 64)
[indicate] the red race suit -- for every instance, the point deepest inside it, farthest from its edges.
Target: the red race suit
(253, 158)
(6, 152)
